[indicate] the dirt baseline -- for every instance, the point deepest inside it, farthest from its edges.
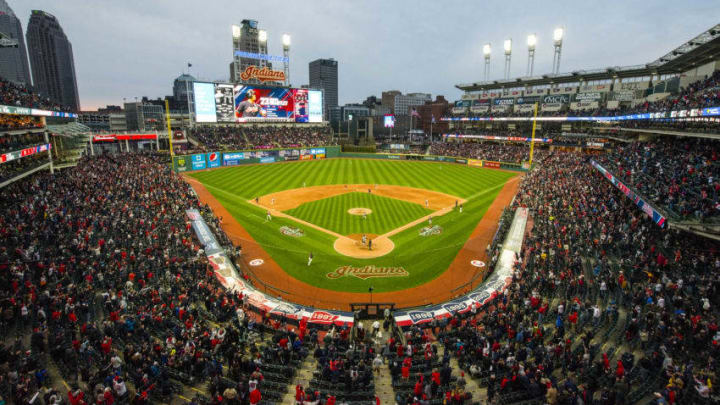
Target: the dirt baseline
(443, 288)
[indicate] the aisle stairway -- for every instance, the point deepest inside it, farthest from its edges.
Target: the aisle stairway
(302, 378)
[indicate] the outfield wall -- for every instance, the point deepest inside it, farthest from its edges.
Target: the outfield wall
(211, 160)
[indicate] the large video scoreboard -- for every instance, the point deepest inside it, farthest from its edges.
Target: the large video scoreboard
(227, 103)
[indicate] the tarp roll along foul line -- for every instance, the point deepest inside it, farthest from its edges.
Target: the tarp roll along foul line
(228, 276)
(495, 285)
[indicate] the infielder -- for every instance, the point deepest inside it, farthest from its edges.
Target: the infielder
(272, 202)
(461, 208)
(430, 220)
(310, 257)
(426, 204)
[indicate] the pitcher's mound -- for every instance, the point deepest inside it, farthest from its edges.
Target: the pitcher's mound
(359, 211)
(352, 246)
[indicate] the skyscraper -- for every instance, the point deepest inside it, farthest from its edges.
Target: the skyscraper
(324, 75)
(51, 57)
(247, 38)
(13, 60)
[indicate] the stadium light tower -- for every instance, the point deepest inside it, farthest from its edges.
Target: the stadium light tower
(507, 46)
(262, 44)
(557, 45)
(531, 42)
(487, 50)
(286, 55)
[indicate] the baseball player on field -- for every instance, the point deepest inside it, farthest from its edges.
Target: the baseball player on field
(268, 216)
(310, 257)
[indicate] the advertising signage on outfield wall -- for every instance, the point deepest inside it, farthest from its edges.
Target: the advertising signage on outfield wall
(198, 161)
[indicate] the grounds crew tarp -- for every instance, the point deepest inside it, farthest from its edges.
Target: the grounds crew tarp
(495, 285)
(228, 276)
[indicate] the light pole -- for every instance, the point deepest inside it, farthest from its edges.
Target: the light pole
(286, 56)
(236, 34)
(557, 45)
(531, 42)
(349, 119)
(486, 52)
(507, 46)
(262, 44)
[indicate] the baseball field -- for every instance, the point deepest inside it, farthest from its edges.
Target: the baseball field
(392, 225)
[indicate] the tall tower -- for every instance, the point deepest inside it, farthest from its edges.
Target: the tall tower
(13, 60)
(324, 75)
(51, 57)
(247, 37)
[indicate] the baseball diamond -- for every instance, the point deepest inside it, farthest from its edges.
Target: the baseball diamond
(404, 198)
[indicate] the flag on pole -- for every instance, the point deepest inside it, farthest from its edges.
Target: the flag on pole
(432, 118)
(189, 65)
(414, 113)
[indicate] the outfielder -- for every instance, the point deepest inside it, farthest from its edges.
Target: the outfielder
(310, 257)
(268, 216)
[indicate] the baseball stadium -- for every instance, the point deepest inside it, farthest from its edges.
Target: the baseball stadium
(539, 239)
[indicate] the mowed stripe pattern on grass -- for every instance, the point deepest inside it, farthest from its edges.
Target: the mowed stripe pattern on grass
(257, 180)
(332, 213)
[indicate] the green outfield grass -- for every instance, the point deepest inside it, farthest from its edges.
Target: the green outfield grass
(332, 213)
(424, 258)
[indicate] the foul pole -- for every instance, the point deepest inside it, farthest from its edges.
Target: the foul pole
(167, 119)
(532, 139)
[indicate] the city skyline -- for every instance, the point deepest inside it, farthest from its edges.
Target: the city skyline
(134, 49)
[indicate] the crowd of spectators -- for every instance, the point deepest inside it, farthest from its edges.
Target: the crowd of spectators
(261, 137)
(9, 143)
(605, 307)
(17, 95)
(700, 94)
(103, 277)
(485, 150)
(682, 175)
(14, 122)
(13, 168)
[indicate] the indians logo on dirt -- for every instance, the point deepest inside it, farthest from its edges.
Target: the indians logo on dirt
(367, 272)
(431, 230)
(290, 231)
(256, 262)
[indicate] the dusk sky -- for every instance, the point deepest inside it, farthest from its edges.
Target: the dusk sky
(135, 48)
